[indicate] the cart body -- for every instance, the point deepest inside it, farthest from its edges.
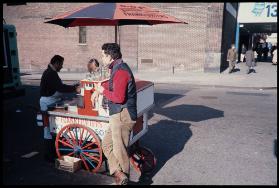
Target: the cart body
(58, 118)
(70, 125)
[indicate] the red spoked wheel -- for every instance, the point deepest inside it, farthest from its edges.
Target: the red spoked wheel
(142, 159)
(81, 142)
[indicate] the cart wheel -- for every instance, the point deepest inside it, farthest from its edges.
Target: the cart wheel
(81, 142)
(143, 160)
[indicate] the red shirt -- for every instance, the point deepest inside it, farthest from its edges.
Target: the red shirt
(120, 83)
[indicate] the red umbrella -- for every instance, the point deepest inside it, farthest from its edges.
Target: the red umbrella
(113, 14)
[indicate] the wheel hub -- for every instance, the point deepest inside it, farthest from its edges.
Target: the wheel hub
(77, 149)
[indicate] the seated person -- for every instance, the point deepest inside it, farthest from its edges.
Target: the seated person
(51, 86)
(51, 91)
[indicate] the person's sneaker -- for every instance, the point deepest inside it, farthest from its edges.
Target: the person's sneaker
(120, 178)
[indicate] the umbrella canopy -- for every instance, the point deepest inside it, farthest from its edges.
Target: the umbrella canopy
(113, 14)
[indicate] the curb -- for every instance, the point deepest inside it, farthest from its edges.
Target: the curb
(192, 85)
(221, 86)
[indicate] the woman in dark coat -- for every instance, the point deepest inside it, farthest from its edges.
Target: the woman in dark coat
(250, 60)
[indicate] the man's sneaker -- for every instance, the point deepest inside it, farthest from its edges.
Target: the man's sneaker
(120, 178)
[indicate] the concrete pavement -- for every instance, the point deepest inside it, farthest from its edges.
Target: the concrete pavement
(264, 78)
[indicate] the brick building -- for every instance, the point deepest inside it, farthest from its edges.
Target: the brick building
(197, 46)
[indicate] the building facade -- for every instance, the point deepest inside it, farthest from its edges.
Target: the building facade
(200, 45)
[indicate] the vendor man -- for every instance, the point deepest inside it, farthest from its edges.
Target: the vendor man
(51, 89)
(121, 93)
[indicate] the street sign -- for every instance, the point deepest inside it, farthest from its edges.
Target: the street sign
(257, 12)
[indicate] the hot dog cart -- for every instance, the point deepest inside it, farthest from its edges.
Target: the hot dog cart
(79, 125)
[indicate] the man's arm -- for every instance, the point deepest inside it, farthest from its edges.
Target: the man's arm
(59, 86)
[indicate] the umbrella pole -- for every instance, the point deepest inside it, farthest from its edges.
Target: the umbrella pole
(118, 28)
(115, 33)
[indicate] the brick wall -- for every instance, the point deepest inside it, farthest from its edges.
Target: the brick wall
(129, 44)
(192, 47)
(163, 46)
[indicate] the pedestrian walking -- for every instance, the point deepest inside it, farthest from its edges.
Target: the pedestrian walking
(265, 50)
(259, 51)
(250, 60)
(243, 52)
(274, 58)
(231, 58)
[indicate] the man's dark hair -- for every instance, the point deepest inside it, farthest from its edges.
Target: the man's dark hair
(57, 59)
(113, 50)
(95, 61)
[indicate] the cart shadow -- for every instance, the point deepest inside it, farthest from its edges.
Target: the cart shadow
(182, 112)
(169, 137)
(161, 100)
(185, 112)
(165, 139)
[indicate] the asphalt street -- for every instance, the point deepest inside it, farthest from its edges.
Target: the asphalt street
(199, 135)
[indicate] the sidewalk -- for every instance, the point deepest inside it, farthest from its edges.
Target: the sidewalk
(265, 77)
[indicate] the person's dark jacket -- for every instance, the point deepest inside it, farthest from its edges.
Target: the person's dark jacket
(51, 82)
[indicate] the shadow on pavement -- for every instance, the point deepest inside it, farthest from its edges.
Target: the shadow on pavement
(162, 99)
(168, 137)
(182, 112)
(171, 138)
(186, 112)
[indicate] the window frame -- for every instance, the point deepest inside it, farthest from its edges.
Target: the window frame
(82, 35)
